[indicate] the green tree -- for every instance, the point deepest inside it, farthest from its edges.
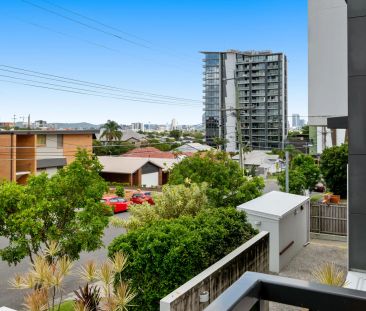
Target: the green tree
(168, 253)
(111, 131)
(227, 185)
(120, 191)
(173, 202)
(333, 166)
(176, 134)
(218, 142)
(111, 148)
(64, 208)
(297, 181)
(308, 167)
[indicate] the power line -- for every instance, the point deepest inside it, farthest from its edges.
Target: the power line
(114, 35)
(96, 21)
(85, 24)
(110, 95)
(92, 84)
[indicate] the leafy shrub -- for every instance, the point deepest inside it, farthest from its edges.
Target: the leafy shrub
(173, 202)
(333, 166)
(120, 191)
(168, 253)
(227, 185)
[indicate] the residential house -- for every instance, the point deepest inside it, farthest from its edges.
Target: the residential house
(34, 151)
(149, 172)
(263, 162)
(193, 147)
(152, 152)
(128, 136)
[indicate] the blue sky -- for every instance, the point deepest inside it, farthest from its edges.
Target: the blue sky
(163, 58)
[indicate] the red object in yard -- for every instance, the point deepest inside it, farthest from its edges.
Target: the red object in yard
(118, 204)
(141, 197)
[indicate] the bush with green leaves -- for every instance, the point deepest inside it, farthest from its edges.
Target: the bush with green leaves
(120, 191)
(333, 166)
(167, 253)
(303, 174)
(173, 202)
(227, 185)
(65, 208)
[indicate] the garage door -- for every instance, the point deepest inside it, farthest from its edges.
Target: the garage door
(149, 175)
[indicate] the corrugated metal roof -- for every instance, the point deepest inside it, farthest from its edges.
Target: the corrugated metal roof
(274, 204)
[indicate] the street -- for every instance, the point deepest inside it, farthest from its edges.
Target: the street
(13, 298)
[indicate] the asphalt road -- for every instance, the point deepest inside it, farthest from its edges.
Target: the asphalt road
(13, 298)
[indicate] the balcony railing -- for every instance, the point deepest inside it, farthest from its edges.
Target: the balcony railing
(253, 289)
(212, 282)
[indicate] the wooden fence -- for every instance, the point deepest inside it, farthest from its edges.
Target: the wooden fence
(251, 256)
(328, 219)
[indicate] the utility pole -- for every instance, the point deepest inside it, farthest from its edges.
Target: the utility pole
(238, 123)
(14, 119)
(287, 175)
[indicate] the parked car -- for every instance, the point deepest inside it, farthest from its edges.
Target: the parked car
(118, 204)
(141, 197)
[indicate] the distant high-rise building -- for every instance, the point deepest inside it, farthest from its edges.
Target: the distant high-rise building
(295, 120)
(258, 80)
(174, 125)
(137, 126)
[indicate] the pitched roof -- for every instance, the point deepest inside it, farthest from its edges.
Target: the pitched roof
(129, 165)
(129, 134)
(149, 152)
(258, 157)
(193, 147)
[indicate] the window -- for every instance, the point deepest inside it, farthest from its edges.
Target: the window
(41, 140)
(60, 141)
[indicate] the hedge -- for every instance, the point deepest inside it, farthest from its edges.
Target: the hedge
(168, 253)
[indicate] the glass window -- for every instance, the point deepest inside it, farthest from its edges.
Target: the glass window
(41, 140)
(60, 141)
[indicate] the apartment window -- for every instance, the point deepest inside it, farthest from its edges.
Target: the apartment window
(60, 141)
(41, 140)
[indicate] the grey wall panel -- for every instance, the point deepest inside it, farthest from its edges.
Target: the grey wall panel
(356, 8)
(357, 184)
(357, 245)
(357, 115)
(357, 46)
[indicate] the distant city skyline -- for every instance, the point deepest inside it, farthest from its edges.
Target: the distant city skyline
(157, 51)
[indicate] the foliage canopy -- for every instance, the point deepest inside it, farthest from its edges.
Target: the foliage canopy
(226, 183)
(171, 252)
(333, 166)
(64, 208)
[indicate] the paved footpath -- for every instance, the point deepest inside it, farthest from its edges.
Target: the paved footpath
(13, 298)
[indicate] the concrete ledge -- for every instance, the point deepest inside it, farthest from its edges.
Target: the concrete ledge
(328, 237)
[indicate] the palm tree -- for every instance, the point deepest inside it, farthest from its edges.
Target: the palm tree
(112, 131)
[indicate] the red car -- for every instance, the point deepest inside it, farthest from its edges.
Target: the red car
(140, 197)
(118, 204)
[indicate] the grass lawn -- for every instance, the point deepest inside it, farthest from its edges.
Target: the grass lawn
(66, 306)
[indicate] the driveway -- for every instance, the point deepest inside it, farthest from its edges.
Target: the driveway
(13, 298)
(270, 185)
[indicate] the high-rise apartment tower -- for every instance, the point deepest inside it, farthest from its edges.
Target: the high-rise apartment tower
(253, 84)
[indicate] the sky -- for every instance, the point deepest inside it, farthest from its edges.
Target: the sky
(139, 45)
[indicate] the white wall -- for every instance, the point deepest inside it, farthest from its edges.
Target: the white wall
(50, 150)
(327, 38)
(150, 179)
(293, 228)
(50, 171)
(230, 102)
(271, 226)
(341, 134)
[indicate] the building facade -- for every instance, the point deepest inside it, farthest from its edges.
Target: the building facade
(328, 88)
(29, 152)
(256, 82)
